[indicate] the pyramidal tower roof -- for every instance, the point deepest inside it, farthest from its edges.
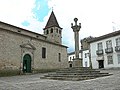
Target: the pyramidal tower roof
(52, 21)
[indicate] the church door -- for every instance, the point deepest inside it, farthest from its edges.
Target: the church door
(27, 63)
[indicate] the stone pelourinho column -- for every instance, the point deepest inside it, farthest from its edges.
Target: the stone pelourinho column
(77, 62)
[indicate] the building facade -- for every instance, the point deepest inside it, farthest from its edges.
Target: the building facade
(27, 51)
(105, 51)
(71, 57)
(83, 53)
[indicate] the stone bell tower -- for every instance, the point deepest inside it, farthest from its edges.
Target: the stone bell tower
(52, 30)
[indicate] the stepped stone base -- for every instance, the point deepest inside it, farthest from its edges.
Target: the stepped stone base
(77, 62)
(75, 74)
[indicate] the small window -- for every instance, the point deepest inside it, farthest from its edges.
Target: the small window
(109, 44)
(118, 56)
(43, 52)
(85, 55)
(73, 57)
(19, 31)
(110, 59)
(118, 41)
(70, 58)
(100, 47)
(37, 36)
(47, 32)
(51, 30)
(59, 31)
(59, 57)
(85, 63)
(56, 30)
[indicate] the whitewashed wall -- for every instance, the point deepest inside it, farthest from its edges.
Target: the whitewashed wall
(93, 49)
(84, 60)
(85, 57)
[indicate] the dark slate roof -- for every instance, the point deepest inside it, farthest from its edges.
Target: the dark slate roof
(52, 21)
(105, 36)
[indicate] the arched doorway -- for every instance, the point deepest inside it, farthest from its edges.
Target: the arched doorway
(27, 63)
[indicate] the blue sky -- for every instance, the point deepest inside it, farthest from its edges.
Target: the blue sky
(97, 17)
(40, 10)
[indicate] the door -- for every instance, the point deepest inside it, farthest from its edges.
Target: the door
(27, 63)
(101, 63)
(70, 65)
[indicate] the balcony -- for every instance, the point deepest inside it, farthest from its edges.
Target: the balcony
(117, 48)
(99, 52)
(109, 50)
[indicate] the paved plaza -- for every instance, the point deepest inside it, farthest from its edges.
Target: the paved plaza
(33, 82)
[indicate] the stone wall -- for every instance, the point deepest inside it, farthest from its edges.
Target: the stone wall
(11, 52)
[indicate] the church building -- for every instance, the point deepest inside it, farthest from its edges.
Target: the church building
(27, 51)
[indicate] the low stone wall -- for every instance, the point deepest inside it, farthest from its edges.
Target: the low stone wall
(8, 72)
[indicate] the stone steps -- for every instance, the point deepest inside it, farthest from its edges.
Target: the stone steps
(75, 74)
(96, 75)
(78, 71)
(79, 74)
(68, 78)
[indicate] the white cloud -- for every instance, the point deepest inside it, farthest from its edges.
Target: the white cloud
(95, 16)
(15, 11)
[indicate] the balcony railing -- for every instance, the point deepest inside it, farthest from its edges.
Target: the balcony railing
(109, 50)
(117, 48)
(99, 52)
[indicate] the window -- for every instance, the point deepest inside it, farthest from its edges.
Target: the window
(109, 44)
(110, 59)
(59, 57)
(56, 30)
(70, 58)
(59, 31)
(118, 42)
(118, 56)
(47, 32)
(85, 63)
(43, 52)
(100, 46)
(51, 30)
(73, 57)
(85, 55)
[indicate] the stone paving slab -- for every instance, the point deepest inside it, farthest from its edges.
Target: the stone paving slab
(33, 82)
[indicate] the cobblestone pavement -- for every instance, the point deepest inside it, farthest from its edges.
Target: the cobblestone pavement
(33, 82)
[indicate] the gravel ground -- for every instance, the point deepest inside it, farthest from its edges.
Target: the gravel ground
(33, 82)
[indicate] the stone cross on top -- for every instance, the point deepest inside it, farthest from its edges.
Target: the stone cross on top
(76, 28)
